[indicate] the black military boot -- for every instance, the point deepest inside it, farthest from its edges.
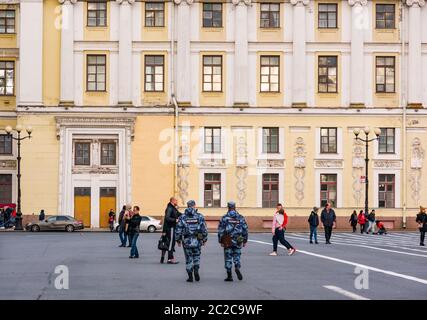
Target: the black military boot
(239, 274)
(229, 276)
(190, 276)
(196, 274)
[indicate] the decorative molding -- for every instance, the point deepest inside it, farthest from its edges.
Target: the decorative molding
(417, 157)
(358, 166)
(123, 1)
(237, 2)
(65, 1)
(269, 163)
(241, 168)
(7, 164)
(94, 170)
(300, 2)
(183, 168)
(388, 164)
(299, 168)
(212, 163)
(178, 2)
(411, 3)
(95, 122)
(329, 164)
(357, 2)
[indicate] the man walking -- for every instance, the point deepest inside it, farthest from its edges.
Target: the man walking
(169, 225)
(313, 221)
(371, 222)
(122, 225)
(232, 235)
(422, 224)
(192, 233)
(328, 219)
(134, 228)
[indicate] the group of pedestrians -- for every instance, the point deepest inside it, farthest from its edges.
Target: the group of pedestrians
(367, 222)
(129, 228)
(7, 221)
(327, 220)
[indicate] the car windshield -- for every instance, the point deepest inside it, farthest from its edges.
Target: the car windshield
(51, 219)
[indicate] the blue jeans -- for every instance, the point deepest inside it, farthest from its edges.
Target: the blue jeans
(134, 249)
(313, 232)
(123, 236)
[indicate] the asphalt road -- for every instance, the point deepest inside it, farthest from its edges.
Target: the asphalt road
(394, 264)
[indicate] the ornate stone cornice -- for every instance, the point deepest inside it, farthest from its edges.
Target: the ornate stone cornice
(178, 2)
(329, 163)
(419, 3)
(300, 2)
(358, 2)
(246, 2)
(123, 1)
(388, 164)
(270, 163)
(65, 1)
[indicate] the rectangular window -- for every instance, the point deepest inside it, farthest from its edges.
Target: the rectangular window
(96, 73)
(270, 15)
(97, 14)
(154, 14)
(154, 73)
(328, 140)
(270, 190)
(108, 153)
(385, 74)
(212, 190)
(7, 78)
(82, 154)
(270, 140)
(212, 140)
(270, 74)
(212, 15)
(386, 183)
(5, 144)
(7, 21)
(385, 16)
(212, 73)
(328, 189)
(327, 75)
(5, 188)
(387, 141)
(328, 13)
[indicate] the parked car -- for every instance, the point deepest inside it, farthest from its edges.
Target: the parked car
(57, 223)
(148, 223)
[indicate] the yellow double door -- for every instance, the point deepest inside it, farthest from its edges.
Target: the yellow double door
(83, 205)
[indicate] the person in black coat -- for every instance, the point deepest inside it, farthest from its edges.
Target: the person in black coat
(422, 224)
(41, 215)
(313, 221)
(328, 219)
(169, 224)
(353, 220)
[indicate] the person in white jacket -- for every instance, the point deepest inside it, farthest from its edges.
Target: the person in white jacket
(280, 220)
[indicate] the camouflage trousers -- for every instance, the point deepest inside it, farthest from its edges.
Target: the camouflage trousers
(230, 255)
(192, 258)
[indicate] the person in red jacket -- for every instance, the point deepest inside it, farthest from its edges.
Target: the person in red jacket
(280, 220)
(361, 220)
(381, 228)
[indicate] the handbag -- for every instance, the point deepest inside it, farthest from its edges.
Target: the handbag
(226, 241)
(163, 244)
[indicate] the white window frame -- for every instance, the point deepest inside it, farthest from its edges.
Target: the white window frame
(339, 154)
(281, 173)
(14, 183)
(273, 156)
(216, 156)
(340, 190)
(397, 190)
(223, 173)
(397, 147)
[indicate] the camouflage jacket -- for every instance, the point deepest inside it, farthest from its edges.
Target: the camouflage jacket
(235, 225)
(191, 229)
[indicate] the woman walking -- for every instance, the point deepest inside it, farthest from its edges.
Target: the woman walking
(353, 220)
(280, 221)
(361, 221)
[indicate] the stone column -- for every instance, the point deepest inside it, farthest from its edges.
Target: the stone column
(67, 52)
(357, 97)
(125, 52)
(183, 59)
(299, 82)
(414, 56)
(241, 53)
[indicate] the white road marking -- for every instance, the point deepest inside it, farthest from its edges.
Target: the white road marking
(346, 293)
(355, 264)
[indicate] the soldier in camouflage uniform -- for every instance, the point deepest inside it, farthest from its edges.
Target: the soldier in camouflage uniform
(233, 235)
(192, 232)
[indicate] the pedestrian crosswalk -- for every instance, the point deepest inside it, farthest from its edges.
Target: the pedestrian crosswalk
(402, 241)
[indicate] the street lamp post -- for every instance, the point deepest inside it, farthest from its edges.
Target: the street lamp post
(18, 130)
(367, 130)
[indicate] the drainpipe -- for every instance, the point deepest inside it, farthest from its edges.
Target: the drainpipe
(173, 100)
(404, 77)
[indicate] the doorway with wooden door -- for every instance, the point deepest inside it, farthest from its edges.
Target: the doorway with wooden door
(107, 201)
(82, 205)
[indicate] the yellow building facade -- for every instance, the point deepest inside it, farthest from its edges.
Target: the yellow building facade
(255, 102)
